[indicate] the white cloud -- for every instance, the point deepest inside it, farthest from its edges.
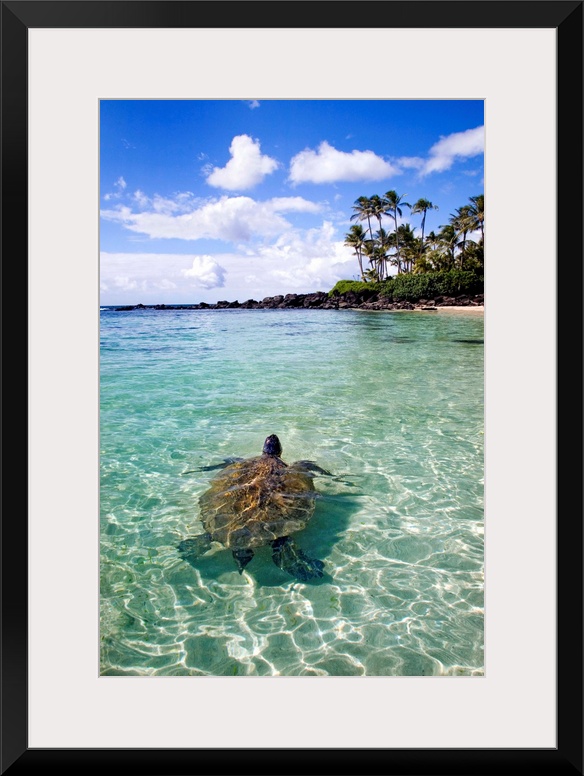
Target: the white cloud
(318, 274)
(246, 168)
(298, 261)
(228, 218)
(328, 165)
(182, 202)
(205, 273)
(141, 199)
(152, 278)
(254, 104)
(124, 283)
(164, 284)
(411, 162)
(306, 260)
(459, 145)
(120, 185)
(293, 204)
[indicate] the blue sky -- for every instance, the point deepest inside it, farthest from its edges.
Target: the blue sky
(203, 200)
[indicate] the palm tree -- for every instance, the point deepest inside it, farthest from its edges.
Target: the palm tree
(448, 240)
(377, 206)
(371, 274)
(363, 211)
(476, 211)
(461, 222)
(414, 253)
(376, 256)
(355, 239)
(422, 206)
(384, 242)
(409, 245)
(431, 240)
(474, 256)
(393, 207)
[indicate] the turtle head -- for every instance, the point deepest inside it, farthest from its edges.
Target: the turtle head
(272, 445)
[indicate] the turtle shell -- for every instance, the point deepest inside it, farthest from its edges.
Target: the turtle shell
(252, 502)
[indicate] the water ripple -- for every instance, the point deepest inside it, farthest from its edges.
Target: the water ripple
(394, 410)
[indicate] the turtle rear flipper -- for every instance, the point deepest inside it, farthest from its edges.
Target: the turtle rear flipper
(242, 558)
(290, 558)
(195, 546)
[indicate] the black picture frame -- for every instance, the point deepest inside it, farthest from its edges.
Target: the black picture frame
(17, 17)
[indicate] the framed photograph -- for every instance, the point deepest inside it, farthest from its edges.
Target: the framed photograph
(441, 649)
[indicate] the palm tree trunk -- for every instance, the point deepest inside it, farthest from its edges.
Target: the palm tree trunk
(397, 244)
(463, 249)
(360, 260)
(370, 232)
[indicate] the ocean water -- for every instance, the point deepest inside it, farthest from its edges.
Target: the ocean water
(392, 404)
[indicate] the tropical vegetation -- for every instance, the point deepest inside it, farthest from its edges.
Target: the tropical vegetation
(411, 286)
(458, 245)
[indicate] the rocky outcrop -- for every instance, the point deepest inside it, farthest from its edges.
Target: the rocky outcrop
(319, 300)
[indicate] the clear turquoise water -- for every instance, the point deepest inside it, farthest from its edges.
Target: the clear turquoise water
(391, 403)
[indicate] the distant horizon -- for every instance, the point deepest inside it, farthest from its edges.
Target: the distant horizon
(209, 200)
(214, 301)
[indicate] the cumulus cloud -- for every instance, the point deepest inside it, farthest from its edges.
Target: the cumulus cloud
(305, 259)
(253, 104)
(140, 198)
(246, 168)
(181, 202)
(459, 145)
(158, 277)
(120, 186)
(293, 204)
(124, 283)
(328, 165)
(236, 219)
(318, 274)
(205, 273)
(411, 162)
(298, 260)
(165, 284)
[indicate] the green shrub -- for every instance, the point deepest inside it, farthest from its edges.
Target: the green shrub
(429, 285)
(410, 288)
(357, 287)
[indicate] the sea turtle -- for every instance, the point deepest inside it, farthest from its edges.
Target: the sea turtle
(259, 501)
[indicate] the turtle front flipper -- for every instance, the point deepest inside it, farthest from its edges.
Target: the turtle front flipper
(226, 462)
(242, 558)
(310, 466)
(290, 558)
(195, 546)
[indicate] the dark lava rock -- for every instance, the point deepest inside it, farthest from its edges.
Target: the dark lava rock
(319, 300)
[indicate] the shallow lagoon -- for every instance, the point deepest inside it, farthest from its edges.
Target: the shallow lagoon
(391, 403)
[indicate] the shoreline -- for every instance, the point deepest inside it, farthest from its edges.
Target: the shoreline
(478, 308)
(322, 301)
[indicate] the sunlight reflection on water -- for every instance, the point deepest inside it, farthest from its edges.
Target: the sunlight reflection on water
(391, 404)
